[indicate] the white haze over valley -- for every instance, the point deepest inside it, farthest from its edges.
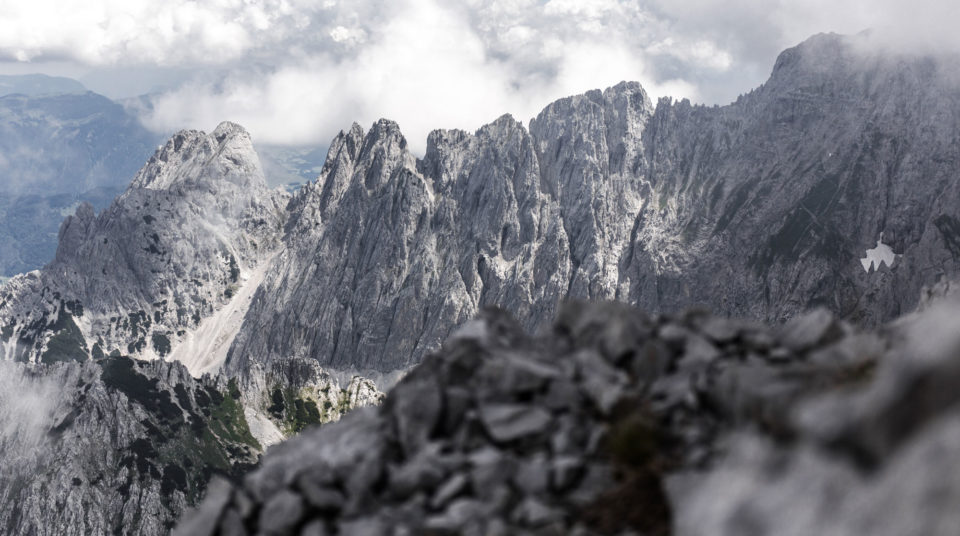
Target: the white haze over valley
(295, 72)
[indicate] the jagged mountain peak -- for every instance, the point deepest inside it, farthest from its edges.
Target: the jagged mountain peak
(505, 125)
(167, 270)
(623, 94)
(229, 129)
(386, 135)
(380, 152)
(854, 66)
(346, 145)
(195, 157)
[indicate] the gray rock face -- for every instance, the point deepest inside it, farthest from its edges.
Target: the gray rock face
(125, 446)
(142, 276)
(762, 208)
(386, 255)
(776, 197)
(166, 272)
(118, 446)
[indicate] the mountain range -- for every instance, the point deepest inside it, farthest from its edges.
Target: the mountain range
(829, 186)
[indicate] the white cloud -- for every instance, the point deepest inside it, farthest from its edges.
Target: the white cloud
(297, 71)
(427, 66)
(704, 54)
(348, 35)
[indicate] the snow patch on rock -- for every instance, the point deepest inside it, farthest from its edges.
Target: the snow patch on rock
(882, 254)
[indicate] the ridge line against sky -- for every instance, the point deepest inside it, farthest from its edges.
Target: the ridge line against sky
(297, 71)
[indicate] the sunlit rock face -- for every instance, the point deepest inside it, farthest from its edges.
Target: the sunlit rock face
(186, 240)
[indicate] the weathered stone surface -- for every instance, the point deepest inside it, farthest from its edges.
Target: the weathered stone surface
(508, 422)
(114, 443)
(194, 230)
(865, 456)
(281, 513)
(533, 465)
(323, 498)
(205, 522)
(416, 416)
(448, 490)
(809, 329)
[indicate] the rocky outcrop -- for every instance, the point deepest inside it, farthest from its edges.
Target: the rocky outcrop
(867, 461)
(386, 255)
(767, 207)
(167, 271)
(575, 431)
(774, 199)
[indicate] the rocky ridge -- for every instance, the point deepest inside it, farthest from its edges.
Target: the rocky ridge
(763, 208)
(167, 271)
(583, 429)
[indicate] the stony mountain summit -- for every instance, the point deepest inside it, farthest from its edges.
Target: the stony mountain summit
(616, 422)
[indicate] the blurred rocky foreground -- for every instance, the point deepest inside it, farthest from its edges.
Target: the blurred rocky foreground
(615, 422)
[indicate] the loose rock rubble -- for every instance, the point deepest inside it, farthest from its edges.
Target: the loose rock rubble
(876, 460)
(569, 432)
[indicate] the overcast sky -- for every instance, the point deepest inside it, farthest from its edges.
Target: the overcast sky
(298, 71)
